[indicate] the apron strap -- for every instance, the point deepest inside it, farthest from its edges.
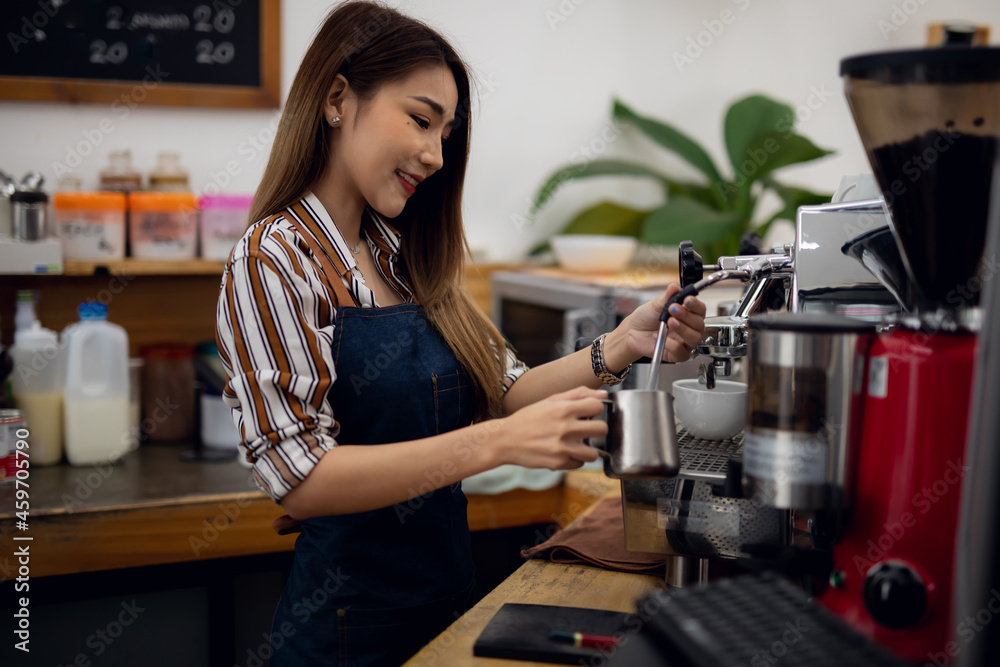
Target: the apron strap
(344, 296)
(286, 525)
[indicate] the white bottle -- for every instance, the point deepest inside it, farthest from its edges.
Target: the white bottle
(96, 395)
(37, 386)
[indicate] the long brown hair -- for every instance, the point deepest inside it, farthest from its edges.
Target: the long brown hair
(371, 45)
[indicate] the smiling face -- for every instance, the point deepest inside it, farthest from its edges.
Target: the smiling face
(386, 146)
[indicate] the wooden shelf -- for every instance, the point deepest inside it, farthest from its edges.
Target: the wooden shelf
(145, 267)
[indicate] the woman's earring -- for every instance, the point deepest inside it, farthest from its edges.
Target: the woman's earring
(334, 121)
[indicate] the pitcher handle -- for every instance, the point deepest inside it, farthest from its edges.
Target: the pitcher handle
(590, 441)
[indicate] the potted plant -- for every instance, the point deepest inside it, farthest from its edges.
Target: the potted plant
(715, 212)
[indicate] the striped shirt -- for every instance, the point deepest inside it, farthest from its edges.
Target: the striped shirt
(274, 325)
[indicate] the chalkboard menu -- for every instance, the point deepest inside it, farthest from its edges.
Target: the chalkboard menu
(182, 52)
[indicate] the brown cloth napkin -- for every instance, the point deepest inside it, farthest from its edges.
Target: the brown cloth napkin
(598, 539)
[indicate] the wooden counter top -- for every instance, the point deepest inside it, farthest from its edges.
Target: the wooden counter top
(536, 582)
(150, 509)
(154, 508)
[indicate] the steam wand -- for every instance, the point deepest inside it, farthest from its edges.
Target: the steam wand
(752, 271)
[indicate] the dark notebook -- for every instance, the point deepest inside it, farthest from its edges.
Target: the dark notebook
(521, 632)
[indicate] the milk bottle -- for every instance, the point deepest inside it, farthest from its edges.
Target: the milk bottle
(37, 386)
(96, 394)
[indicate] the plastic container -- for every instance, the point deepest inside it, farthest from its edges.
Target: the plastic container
(119, 174)
(37, 386)
(96, 392)
(168, 392)
(169, 176)
(91, 225)
(223, 221)
(163, 225)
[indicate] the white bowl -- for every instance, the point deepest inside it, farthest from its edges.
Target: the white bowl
(712, 414)
(593, 253)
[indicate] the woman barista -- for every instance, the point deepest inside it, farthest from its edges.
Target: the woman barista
(343, 324)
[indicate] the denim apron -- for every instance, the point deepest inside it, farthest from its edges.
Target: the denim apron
(372, 588)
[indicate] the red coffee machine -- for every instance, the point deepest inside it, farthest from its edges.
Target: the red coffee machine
(929, 121)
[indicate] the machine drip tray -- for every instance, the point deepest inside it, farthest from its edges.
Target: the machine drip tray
(706, 460)
(754, 619)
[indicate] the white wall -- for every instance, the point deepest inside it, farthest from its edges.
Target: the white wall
(548, 70)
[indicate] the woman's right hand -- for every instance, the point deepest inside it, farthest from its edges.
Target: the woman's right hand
(550, 433)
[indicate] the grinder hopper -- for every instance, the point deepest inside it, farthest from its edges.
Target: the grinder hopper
(929, 121)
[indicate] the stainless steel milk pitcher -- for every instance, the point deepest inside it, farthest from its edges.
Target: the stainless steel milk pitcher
(642, 438)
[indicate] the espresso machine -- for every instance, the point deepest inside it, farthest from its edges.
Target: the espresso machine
(859, 343)
(703, 516)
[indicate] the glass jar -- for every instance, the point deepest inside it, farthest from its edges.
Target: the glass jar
(168, 176)
(168, 392)
(119, 174)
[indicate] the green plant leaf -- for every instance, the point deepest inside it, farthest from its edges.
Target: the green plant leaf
(590, 170)
(682, 219)
(672, 139)
(749, 117)
(607, 218)
(700, 193)
(768, 152)
(603, 218)
(759, 140)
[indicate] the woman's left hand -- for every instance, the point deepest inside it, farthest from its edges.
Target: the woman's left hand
(686, 327)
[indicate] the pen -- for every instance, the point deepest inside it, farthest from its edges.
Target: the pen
(583, 640)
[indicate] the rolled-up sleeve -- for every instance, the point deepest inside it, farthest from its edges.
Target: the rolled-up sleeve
(513, 368)
(275, 333)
